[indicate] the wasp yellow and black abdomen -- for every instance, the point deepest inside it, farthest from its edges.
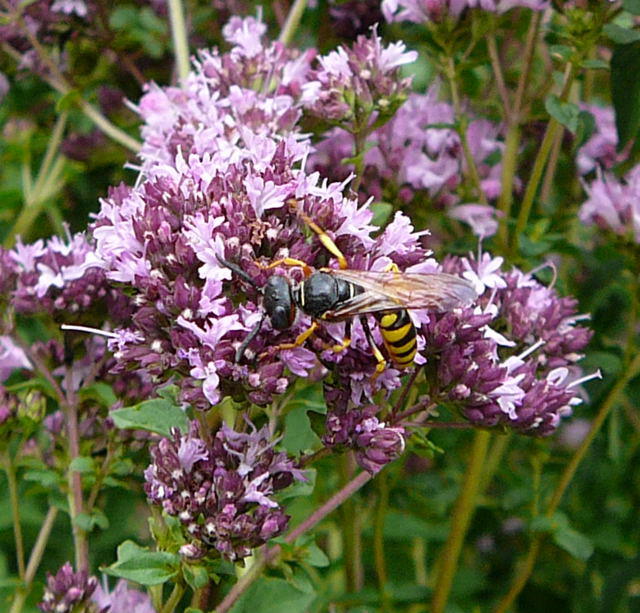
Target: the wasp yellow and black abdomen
(399, 337)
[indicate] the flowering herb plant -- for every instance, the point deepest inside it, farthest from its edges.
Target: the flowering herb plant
(297, 317)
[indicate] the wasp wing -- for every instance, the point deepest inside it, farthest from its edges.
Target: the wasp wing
(387, 291)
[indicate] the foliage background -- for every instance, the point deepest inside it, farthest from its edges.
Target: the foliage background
(588, 557)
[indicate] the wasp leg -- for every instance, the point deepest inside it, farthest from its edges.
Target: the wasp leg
(377, 354)
(346, 341)
(288, 262)
(393, 267)
(325, 239)
(301, 338)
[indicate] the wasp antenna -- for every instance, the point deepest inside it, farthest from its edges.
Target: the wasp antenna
(248, 339)
(241, 273)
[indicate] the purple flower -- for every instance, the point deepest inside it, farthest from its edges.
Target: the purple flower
(69, 7)
(121, 599)
(352, 84)
(11, 357)
(614, 204)
(223, 175)
(67, 591)
(511, 360)
(415, 153)
(375, 443)
(421, 11)
(600, 151)
(481, 218)
(222, 490)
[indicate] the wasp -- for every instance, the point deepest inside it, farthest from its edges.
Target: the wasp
(340, 295)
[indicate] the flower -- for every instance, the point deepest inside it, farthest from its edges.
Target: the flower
(352, 84)
(415, 152)
(223, 175)
(613, 204)
(11, 357)
(121, 599)
(421, 11)
(511, 360)
(67, 591)
(221, 490)
(600, 150)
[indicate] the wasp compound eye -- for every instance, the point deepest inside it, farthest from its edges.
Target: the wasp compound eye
(278, 303)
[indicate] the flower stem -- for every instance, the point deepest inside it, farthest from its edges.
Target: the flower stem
(174, 599)
(462, 514)
(34, 560)
(378, 539)
(553, 128)
(14, 501)
(528, 564)
(179, 35)
(512, 140)
(450, 72)
(271, 553)
(61, 86)
(494, 56)
(351, 531)
(293, 21)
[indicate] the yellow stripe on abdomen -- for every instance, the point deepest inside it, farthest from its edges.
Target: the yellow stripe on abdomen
(399, 337)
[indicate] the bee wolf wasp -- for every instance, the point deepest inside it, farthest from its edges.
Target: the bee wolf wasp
(340, 295)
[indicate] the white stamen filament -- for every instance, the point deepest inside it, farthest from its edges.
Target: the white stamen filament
(581, 380)
(89, 330)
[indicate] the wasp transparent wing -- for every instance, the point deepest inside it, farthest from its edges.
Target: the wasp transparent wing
(387, 291)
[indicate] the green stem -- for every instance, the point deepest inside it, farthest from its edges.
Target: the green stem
(174, 599)
(50, 153)
(14, 500)
(293, 21)
(496, 65)
(553, 127)
(352, 537)
(528, 564)
(494, 458)
(378, 539)
(179, 35)
(549, 175)
(462, 514)
(450, 72)
(512, 140)
(34, 560)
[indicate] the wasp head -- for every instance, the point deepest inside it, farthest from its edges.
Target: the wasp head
(278, 302)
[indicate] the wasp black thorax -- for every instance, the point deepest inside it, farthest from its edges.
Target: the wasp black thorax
(322, 292)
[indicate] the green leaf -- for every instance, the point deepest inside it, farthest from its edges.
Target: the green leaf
(578, 545)
(315, 556)
(381, 213)
(196, 576)
(620, 35)
(82, 464)
(158, 415)
(595, 64)
(542, 523)
(48, 479)
(300, 488)
(101, 392)
(95, 519)
(625, 91)
(586, 128)
(145, 567)
(269, 595)
(564, 112)
(633, 6)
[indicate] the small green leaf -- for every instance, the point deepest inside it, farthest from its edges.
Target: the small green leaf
(157, 415)
(300, 488)
(595, 64)
(145, 567)
(196, 576)
(633, 6)
(83, 464)
(381, 213)
(586, 128)
(620, 35)
(70, 100)
(625, 91)
(101, 392)
(269, 595)
(578, 545)
(564, 112)
(48, 479)
(96, 519)
(315, 556)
